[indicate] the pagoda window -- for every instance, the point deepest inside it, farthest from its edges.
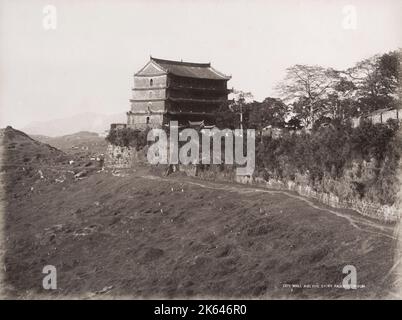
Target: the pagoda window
(151, 82)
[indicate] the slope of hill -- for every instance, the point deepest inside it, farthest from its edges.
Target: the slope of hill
(20, 149)
(27, 163)
(140, 234)
(153, 237)
(88, 121)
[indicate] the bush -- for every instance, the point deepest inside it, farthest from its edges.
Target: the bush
(331, 158)
(128, 137)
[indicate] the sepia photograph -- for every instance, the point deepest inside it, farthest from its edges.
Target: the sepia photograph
(218, 150)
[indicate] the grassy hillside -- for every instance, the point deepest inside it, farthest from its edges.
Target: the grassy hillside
(139, 234)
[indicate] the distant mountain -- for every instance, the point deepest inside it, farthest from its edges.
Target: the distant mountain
(92, 122)
(83, 140)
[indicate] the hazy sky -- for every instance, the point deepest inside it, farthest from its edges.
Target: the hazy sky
(87, 62)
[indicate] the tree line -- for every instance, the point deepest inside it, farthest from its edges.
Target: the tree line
(310, 96)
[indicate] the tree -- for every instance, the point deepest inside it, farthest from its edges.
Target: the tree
(340, 105)
(304, 88)
(240, 103)
(226, 118)
(377, 80)
(233, 114)
(270, 112)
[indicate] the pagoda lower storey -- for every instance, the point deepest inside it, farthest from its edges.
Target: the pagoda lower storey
(143, 120)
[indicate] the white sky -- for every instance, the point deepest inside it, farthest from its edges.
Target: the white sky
(87, 62)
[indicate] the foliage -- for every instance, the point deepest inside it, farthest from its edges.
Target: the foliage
(232, 114)
(314, 92)
(225, 117)
(377, 80)
(305, 87)
(128, 137)
(329, 154)
(270, 112)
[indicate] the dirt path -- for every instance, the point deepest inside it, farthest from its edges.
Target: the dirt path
(358, 222)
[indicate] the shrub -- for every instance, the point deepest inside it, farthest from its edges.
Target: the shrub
(363, 161)
(128, 137)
